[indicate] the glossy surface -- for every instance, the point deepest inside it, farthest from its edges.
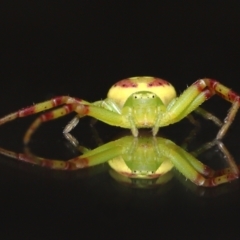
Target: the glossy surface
(80, 48)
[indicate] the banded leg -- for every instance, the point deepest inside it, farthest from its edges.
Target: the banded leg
(197, 126)
(188, 165)
(91, 158)
(181, 107)
(195, 95)
(228, 95)
(227, 155)
(60, 112)
(39, 107)
(81, 107)
(102, 114)
(196, 171)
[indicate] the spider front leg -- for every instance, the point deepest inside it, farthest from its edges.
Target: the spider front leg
(68, 103)
(39, 107)
(105, 104)
(81, 107)
(182, 106)
(50, 115)
(105, 111)
(82, 110)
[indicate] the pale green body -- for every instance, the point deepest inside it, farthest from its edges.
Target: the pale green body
(151, 108)
(144, 158)
(141, 158)
(141, 110)
(151, 158)
(133, 103)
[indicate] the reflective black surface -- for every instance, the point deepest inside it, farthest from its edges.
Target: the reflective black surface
(81, 49)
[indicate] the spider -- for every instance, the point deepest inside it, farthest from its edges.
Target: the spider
(136, 102)
(143, 162)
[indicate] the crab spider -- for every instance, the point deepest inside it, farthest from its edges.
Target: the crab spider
(145, 158)
(137, 102)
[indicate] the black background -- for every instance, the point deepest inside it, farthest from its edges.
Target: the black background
(81, 48)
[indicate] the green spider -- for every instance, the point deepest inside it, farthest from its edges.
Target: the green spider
(140, 102)
(137, 102)
(143, 162)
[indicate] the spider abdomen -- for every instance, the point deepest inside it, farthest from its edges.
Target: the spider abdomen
(123, 89)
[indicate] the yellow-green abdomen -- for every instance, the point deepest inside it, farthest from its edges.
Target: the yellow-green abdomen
(121, 90)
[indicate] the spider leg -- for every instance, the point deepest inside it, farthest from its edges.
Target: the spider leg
(97, 112)
(179, 113)
(197, 125)
(106, 104)
(205, 94)
(81, 107)
(233, 166)
(39, 107)
(230, 160)
(227, 155)
(59, 112)
(192, 134)
(194, 96)
(181, 107)
(71, 139)
(229, 95)
(228, 120)
(194, 170)
(91, 158)
(209, 116)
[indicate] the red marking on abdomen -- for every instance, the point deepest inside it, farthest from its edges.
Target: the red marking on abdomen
(126, 83)
(26, 111)
(158, 82)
